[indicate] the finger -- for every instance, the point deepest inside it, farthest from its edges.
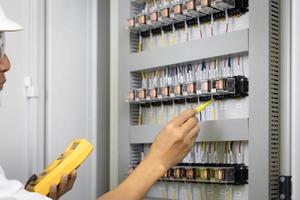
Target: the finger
(193, 140)
(189, 124)
(193, 133)
(63, 185)
(72, 179)
(53, 192)
(183, 117)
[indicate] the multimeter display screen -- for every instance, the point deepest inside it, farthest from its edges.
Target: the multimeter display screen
(74, 146)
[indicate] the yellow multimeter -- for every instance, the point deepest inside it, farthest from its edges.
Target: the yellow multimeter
(75, 154)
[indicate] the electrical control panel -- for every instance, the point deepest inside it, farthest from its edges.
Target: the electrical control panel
(177, 54)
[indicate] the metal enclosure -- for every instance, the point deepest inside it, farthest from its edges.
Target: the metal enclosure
(261, 129)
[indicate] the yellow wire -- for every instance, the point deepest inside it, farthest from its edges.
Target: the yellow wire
(172, 40)
(204, 147)
(174, 195)
(188, 195)
(228, 196)
(163, 193)
(214, 112)
(166, 71)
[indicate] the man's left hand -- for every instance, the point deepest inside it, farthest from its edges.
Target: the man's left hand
(66, 184)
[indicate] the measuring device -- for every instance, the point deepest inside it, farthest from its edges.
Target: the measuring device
(75, 154)
(203, 106)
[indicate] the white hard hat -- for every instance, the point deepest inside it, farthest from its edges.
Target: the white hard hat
(7, 25)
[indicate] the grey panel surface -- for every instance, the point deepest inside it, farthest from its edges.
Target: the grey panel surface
(225, 44)
(259, 100)
(220, 130)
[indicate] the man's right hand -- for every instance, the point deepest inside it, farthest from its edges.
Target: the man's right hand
(175, 141)
(170, 146)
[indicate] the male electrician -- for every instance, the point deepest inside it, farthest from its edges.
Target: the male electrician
(171, 145)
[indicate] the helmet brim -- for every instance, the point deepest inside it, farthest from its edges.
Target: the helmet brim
(8, 25)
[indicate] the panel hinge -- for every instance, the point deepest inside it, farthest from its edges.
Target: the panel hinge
(285, 187)
(31, 91)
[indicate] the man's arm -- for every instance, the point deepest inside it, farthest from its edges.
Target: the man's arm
(170, 146)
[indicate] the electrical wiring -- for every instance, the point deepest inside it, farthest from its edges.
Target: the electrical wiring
(172, 39)
(140, 42)
(161, 116)
(226, 21)
(216, 159)
(242, 66)
(239, 154)
(186, 31)
(225, 153)
(163, 192)
(199, 27)
(151, 45)
(185, 84)
(174, 194)
(212, 25)
(203, 153)
(230, 67)
(163, 37)
(140, 116)
(189, 196)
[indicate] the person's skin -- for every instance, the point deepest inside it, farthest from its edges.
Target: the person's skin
(4, 67)
(67, 181)
(171, 145)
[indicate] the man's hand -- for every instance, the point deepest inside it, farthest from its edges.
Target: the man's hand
(4, 67)
(66, 184)
(175, 141)
(170, 146)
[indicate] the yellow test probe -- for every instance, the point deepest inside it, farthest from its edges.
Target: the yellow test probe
(203, 106)
(75, 154)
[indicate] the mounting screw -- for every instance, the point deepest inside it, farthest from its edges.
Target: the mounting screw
(282, 196)
(282, 179)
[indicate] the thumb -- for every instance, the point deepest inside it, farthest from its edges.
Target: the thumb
(53, 192)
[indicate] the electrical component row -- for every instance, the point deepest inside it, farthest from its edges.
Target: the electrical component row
(236, 174)
(159, 13)
(162, 112)
(223, 77)
(162, 27)
(179, 34)
(219, 88)
(229, 152)
(197, 191)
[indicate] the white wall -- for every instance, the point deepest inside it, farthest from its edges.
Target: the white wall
(60, 50)
(18, 132)
(71, 82)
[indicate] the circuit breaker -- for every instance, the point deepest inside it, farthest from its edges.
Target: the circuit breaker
(177, 54)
